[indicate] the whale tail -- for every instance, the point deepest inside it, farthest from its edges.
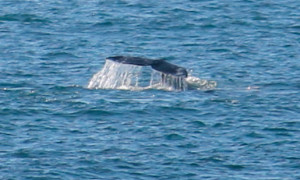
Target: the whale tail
(157, 64)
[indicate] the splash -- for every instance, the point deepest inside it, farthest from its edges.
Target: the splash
(114, 76)
(200, 84)
(167, 82)
(131, 77)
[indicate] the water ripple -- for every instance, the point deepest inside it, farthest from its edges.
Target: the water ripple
(53, 127)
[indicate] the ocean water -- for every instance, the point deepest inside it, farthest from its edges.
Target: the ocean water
(53, 127)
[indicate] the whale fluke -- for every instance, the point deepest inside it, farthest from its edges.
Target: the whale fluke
(132, 60)
(157, 64)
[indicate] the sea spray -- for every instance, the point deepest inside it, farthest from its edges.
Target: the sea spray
(200, 84)
(124, 76)
(115, 75)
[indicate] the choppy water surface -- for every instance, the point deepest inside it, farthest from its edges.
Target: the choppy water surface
(53, 127)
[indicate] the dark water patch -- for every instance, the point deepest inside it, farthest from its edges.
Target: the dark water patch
(112, 150)
(24, 18)
(192, 44)
(23, 153)
(235, 167)
(272, 146)
(104, 24)
(276, 129)
(18, 73)
(66, 89)
(214, 159)
(141, 111)
(255, 135)
(259, 17)
(174, 137)
(10, 111)
(292, 124)
(41, 34)
(93, 172)
(88, 112)
(226, 101)
(188, 146)
(123, 164)
(208, 26)
(218, 125)
(15, 86)
(5, 133)
(199, 124)
(179, 108)
(295, 26)
(61, 54)
(278, 84)
(241, 23)
(110, 128)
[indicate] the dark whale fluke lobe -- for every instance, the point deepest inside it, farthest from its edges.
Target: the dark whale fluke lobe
(157, 64)
(169, 68)
(132, 60)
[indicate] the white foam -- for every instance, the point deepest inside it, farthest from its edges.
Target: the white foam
(200, 84)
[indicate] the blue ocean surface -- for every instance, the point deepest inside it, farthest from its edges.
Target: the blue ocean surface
(53, 127)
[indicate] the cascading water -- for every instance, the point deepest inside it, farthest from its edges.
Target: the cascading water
(124, 76)
(116, 75)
